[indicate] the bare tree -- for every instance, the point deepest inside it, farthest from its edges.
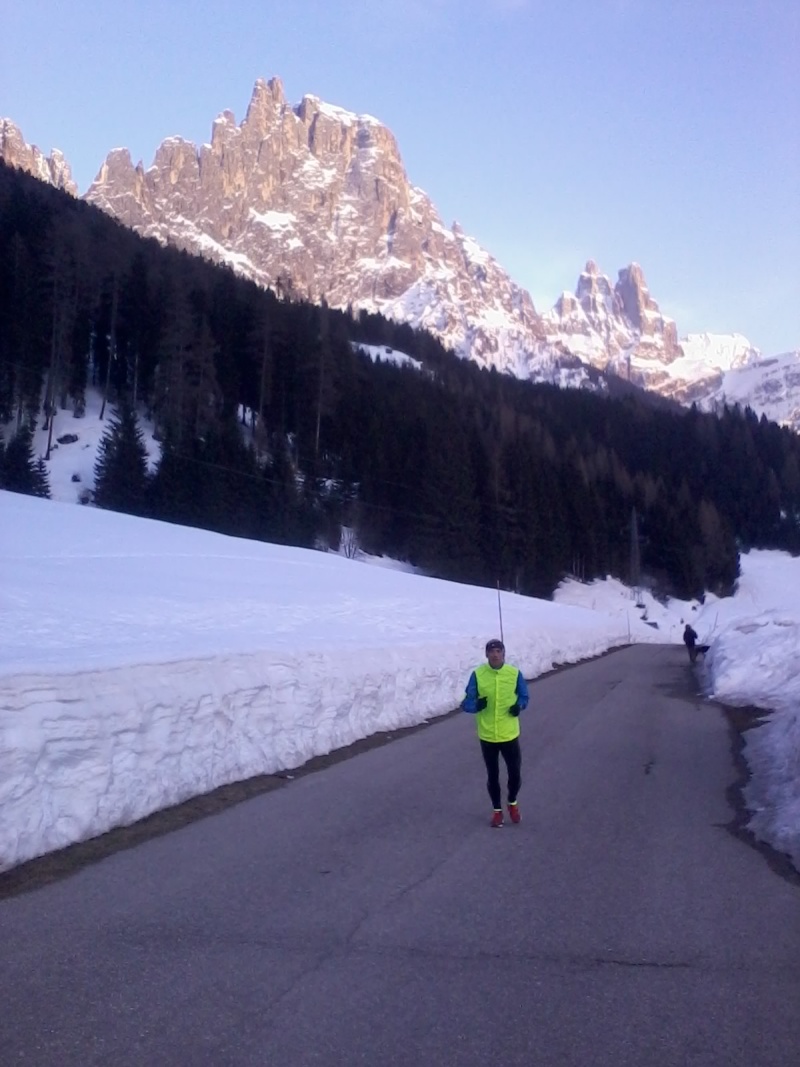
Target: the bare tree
(112, 341)
(349, 543)
(64, 303)
(264, 384)
(324, 359)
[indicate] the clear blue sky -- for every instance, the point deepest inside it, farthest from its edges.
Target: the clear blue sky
(554, 131)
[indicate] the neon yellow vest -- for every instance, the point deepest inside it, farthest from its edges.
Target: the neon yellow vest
(500, 689)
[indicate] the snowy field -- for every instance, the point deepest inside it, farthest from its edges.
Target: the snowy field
(143, 663)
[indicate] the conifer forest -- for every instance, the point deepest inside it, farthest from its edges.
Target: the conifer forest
(274, 425)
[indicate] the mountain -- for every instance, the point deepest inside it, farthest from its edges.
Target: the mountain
(272, 424)
(770, 386)
(620, 329)
(314, 200)
(52, 169)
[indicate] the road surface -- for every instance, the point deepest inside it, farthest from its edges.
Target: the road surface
(367, 914)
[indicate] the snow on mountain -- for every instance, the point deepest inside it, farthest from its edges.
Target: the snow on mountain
(723, 351)
(704, 358)
(618, 329)
(387, 355)
(314, 201)
(610, 327)
(769, 386)
(622, 330)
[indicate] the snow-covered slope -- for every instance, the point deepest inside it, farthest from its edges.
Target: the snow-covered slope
(74, 446)
(145, 662)
(769, 386)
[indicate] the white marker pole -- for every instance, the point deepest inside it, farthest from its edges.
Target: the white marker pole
(500, 611)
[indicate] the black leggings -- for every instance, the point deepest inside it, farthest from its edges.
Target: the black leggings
(512, 754)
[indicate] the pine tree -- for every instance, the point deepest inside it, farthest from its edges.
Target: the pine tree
(121, 469)
(287, 517)
(21, 472)
(230, 481)
(41, 486)
(175, 492)
(720, 557)
(446, 542)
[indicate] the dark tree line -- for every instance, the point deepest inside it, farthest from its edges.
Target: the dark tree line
(273, 425)
(20, 470)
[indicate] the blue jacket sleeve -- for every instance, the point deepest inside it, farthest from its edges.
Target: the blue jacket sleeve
(522, 691)
(470, 701)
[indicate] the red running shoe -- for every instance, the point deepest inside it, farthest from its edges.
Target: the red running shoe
(513, 812)
(497, 818)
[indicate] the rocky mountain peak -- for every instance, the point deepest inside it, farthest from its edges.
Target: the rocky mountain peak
(52, 169)
(634, 296)
(594, 292)
(566, 305)
(615, 328)
(225, 121)
(267, 104)
(118, 165)
(316, 198)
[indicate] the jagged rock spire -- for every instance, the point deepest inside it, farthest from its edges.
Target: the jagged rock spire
(52, 169)
(319, 195)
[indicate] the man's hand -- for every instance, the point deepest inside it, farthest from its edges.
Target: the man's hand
(514, 710)
(481, 703)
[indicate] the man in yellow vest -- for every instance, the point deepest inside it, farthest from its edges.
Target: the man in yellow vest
(496, 694)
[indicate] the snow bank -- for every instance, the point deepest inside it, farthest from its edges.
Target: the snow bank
(754, 661)
(85, 752)
(145, 663)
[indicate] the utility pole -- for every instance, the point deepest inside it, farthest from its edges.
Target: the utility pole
(636, 559)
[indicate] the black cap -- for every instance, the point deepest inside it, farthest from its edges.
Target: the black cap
(495, 643)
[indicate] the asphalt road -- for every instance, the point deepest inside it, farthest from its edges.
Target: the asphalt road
(367, 914)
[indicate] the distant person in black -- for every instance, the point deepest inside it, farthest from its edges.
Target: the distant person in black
(690, 640)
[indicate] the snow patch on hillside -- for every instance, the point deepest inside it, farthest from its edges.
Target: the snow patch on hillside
(70, 469)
